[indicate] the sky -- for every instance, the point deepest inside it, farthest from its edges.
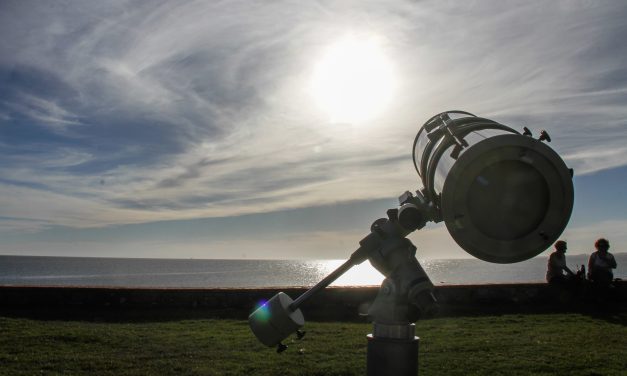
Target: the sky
(261, 130)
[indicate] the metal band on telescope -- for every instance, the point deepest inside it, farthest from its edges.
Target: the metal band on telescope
(439, 141)
(427, 127)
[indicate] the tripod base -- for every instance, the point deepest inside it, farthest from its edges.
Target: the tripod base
(392, 356)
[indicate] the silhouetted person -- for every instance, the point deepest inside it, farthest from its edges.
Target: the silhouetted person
(557, 271)
(581, 273)
(601, 263)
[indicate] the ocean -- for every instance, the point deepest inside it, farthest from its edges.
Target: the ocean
(194, 273)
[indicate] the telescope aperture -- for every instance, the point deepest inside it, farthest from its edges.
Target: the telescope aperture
(508, 200)
(504, 197)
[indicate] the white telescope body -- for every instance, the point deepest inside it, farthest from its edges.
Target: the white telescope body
(503, 196)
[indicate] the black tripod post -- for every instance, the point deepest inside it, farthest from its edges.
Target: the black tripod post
(392, 350)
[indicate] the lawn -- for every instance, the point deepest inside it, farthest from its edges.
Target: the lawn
(547, 344)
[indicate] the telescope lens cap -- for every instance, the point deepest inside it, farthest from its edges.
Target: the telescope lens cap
(507, 198)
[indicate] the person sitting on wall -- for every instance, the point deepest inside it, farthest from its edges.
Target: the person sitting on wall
(601, 263)
(557, 271)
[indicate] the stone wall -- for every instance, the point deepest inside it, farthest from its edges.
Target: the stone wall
(335, 303)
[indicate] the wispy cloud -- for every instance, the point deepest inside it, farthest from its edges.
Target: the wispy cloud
(45, 112)
(591, 160)
(144, 111)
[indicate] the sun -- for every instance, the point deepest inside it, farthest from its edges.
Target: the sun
(353, 81)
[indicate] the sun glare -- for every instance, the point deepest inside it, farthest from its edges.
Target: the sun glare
(353, 81)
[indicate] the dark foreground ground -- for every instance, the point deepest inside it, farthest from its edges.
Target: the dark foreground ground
(510, 344)
(516, 329)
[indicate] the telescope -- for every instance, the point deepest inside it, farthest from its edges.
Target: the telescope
(504, 197)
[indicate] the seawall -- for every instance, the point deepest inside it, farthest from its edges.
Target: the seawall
(335, 303)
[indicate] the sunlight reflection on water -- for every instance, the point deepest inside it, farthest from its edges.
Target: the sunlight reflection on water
(361, 275)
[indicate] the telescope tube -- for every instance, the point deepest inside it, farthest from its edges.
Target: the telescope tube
(504, 197)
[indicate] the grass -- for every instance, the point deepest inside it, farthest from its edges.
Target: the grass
(550, 344)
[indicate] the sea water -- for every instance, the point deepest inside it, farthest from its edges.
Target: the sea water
(193, 273)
